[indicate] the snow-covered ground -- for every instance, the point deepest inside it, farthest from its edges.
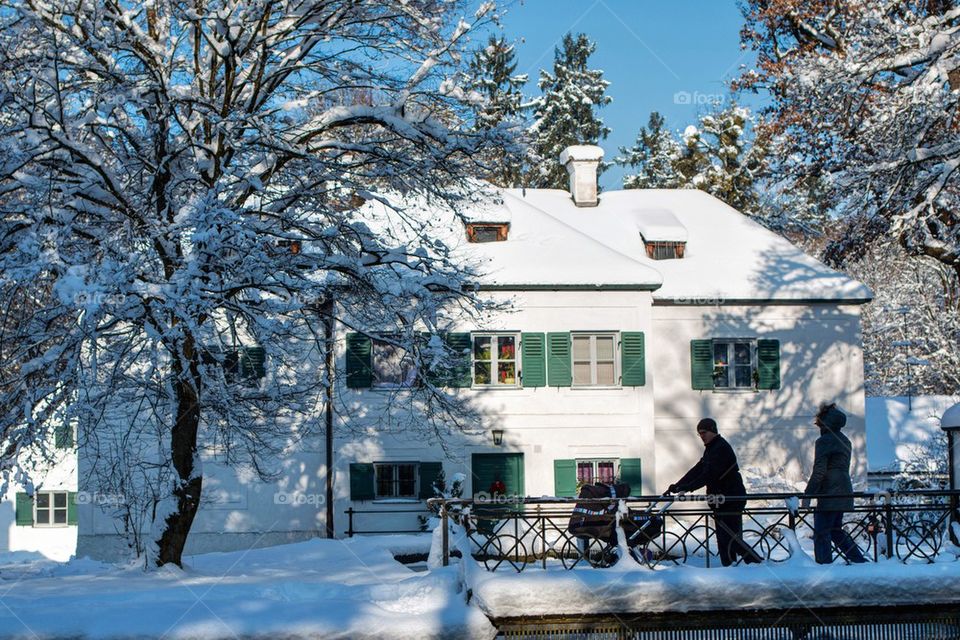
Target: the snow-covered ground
(320, 588)
(356, 589)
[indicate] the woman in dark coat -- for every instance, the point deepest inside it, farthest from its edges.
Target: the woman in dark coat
(719, 473)
(831, 476)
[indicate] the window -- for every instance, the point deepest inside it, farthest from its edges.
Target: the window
(495, 360)
(396, 479)
(734, 364)
(593, 471)
(393, 366)
(51, 509)
(487, 232)
(663, 250)
(594, 359)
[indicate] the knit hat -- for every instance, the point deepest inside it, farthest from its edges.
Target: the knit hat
(833, 419)
(707, 424)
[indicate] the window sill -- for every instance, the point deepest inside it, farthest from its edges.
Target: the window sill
(595, 387)
(737, 390)
(52, 526)
(397, 501)
(488, 387)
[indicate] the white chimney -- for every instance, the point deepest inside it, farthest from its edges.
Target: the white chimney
(582, 161)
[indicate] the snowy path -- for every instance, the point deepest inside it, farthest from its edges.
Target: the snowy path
(321, 588)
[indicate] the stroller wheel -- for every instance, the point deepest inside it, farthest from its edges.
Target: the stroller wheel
(600, 553)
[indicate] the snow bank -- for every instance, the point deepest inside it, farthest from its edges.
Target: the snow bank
(320, 588)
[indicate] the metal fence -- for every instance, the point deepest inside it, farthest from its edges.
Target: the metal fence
(515, 533)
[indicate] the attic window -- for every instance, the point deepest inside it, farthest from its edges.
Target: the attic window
(487, 232)
(664, 250)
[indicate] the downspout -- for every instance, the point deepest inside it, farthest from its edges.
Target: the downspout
(328, 356)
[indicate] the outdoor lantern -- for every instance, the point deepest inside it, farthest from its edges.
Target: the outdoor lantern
(497, 437)
(950, 422)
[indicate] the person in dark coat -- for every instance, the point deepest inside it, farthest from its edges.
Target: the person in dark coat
(831, 476)
(719, 473)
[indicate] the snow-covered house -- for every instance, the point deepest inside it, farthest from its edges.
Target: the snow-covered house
(626, 317)
(904, 435)
(43, 520)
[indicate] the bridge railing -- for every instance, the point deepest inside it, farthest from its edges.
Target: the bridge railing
(513, 532)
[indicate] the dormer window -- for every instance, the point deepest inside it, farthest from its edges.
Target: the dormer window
(664, 250)
(487, 232)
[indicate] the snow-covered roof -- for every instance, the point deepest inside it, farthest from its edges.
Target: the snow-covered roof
(728, 256)
(554, 244)
(896, 427)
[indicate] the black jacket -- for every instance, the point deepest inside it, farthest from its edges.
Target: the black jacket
(719, 473)
(831, 471)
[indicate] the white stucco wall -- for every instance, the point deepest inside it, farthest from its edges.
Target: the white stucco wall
(772, 431)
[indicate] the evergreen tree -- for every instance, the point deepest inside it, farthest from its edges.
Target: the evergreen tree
(492, 75)
(719, 158)
(654, 155)
(566, 111)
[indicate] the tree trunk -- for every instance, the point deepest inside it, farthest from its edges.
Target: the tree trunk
(183, 447)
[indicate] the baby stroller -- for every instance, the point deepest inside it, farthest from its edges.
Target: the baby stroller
(593, 525)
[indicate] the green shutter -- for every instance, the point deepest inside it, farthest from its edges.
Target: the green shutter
(429, 471)
(565, 478)
(534, 360)
(768, 364)
(630, 474)
(359, 367)
(701, 364)
(632, 359)
(72, 507)
(252, 363)
(361, 481)
(24, 510)
(559, 373)
(461, 352)
(63, 436)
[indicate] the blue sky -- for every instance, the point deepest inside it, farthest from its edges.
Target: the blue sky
(670, 57)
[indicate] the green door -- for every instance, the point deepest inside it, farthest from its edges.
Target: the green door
(488, 469)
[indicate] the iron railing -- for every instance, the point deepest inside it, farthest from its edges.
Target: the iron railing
(513, 533)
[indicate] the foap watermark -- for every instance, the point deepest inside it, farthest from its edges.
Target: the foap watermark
(298, 498)
(497, 498)
(697, 98)
(98, 299)
(701, 301)
(713, 500)
(101, 499)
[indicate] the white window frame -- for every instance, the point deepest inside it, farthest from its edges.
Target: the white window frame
(595, 473)
(593, 335)
(408, 377)
(731, 365)
(51, 509)
(380, 467)
(494, 360)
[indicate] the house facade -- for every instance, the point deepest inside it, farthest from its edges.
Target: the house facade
(623, 319)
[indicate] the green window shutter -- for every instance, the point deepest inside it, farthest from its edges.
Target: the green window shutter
(63, 436)
(72, 507)
(359, 366)
(559, 370)
(565, 478)
(428, 475)
(533, 360)
(461, 349)
(252, 363)
(701, 364)
(768, 364)
(361, 481)
(24, 510)
(630, 474)
(632, 359)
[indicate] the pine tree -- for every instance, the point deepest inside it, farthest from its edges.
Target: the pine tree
(719, 158)
(566, 111)
(654, 155)
(492, 75)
